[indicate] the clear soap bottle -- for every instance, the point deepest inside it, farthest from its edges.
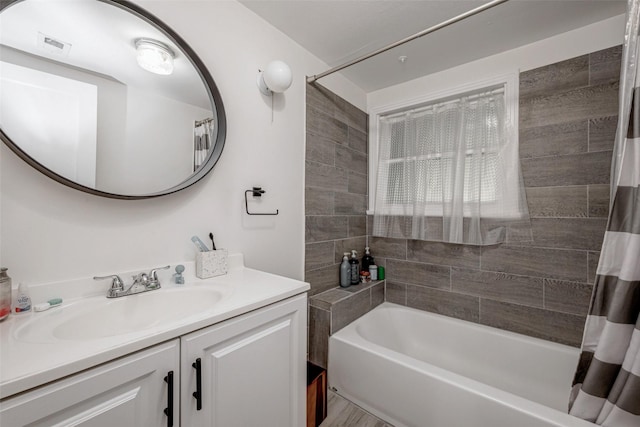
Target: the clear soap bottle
(345, 271)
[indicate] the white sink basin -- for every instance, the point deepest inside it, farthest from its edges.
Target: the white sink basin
(100, 317)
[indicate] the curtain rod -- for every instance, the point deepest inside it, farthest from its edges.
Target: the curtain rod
(201, 122)
(311, 79)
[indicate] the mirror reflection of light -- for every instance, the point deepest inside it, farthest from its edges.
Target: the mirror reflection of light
(154, 56)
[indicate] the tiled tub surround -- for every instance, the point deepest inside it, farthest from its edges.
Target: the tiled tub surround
(568, 114)
(335, 185)
(332, 310)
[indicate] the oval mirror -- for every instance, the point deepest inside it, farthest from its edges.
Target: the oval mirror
(77, 104)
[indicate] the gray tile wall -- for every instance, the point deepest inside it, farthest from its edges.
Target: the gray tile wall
(335, 215)
(567, 127)
(331, 310)
(335, 186)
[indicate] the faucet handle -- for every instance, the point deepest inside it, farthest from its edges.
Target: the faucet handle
(141, 278)
(153, 275)
(116, 282)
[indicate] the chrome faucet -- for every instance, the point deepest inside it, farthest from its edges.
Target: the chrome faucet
(142, 282)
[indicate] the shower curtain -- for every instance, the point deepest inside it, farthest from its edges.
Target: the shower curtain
(606, 387)
(202, 133)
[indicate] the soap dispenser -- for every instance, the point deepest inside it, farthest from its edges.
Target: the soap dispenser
(345, 271)
(355, 268)
(178, 277)
(367, 259)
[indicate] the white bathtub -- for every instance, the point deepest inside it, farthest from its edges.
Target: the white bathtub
(418, 369)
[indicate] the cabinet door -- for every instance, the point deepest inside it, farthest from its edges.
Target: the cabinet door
(252, 369)
(126, 392)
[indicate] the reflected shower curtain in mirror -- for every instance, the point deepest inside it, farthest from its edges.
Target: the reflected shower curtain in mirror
(606, 387)
(202, 134)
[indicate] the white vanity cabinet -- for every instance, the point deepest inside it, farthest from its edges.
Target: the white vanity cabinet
(250, 371)
(252, 374)
(130, 391)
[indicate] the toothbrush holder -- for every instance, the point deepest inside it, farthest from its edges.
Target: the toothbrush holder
(211, 263)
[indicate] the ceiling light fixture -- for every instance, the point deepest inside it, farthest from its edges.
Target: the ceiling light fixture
(154, 56)
(276, 77)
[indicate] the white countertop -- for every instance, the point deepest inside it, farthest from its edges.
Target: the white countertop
(25, 365)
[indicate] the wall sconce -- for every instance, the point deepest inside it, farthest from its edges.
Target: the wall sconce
(154, 56)
(276, 77)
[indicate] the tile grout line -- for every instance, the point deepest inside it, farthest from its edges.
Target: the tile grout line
(589, 68)
(588, 197)
(590, 279)
(588, 135)
(406, 295)
(406, 249)
(584, 153)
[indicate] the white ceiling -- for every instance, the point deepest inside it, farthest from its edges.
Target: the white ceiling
(337, 31)
(102, 39)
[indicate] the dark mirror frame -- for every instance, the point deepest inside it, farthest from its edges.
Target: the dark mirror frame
(214, 96)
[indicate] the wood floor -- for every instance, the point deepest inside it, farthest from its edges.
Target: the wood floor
(342, 413)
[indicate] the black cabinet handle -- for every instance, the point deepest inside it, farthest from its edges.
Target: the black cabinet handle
(168, 411)
(198, 393)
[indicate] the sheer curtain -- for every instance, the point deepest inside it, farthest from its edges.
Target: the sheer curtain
(202, 133)
(449, 171)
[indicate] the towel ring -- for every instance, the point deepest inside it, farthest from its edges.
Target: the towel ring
(256, 192)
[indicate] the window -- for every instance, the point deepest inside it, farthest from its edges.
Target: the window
(452, 158)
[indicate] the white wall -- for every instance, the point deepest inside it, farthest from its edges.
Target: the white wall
(594, 37)
(50, 232)
(54, 118)
(155, 120)
(111, 115)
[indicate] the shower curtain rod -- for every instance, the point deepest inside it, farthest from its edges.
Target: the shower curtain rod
(201, 122)
(311, 79)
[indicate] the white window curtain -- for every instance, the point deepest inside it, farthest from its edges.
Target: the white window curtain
(449, 171)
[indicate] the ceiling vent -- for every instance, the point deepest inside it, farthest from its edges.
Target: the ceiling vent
(53, 45)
